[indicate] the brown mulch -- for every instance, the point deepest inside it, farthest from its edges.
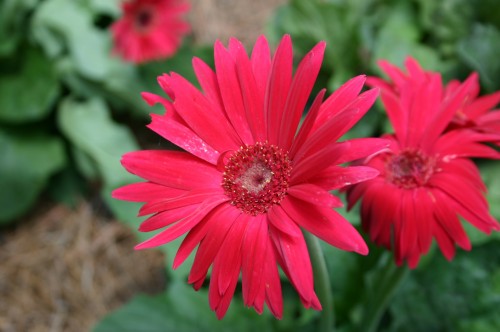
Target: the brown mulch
(65, 269)
(221, 19)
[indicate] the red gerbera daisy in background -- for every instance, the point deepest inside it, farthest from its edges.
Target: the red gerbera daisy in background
(150, 29)
(248, 182)
(476, 112)
(426, 180)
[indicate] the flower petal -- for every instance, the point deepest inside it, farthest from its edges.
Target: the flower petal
(230, 88)
(223, 218)
(278, 88)
(146, 191)
(180, 227)
(301, 88)
(315, 195)
(336, 177)
(172, 168)
(326, 224)
(255, 244)
(296, 264)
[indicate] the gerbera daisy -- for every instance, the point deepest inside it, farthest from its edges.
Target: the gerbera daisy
(150, 29)
(477, 112)
(248, 182)
(426, 181)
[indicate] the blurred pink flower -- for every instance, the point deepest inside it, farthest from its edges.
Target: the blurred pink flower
(150, 29)
(248, 182)
(427, 180)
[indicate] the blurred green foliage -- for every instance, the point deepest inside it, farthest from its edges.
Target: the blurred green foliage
(66, 104)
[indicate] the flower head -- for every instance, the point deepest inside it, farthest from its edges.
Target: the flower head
(150, 29)
(426, 180)
(248, 181)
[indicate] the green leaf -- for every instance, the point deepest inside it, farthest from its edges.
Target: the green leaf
(181, 309)
(462, 295)
(29, 93)
(72, 27)
(100, 143)
(13, 21)
(26, 164)
(90, 128)
(399, 37)
(480, 51)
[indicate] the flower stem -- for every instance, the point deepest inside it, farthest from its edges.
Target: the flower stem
(321, 282)
(385, 285)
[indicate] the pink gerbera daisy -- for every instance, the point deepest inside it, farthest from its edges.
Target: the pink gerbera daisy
(477, 112)
(150, 29)
(248, 182)
(426, 181)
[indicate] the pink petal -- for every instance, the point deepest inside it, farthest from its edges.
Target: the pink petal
(203, 117)
(145, 191)
(339, 99)
(326, 224)
(193, 238)
(394, 73)
(226, 268)
(222, 220)
(278, 88)
(443, 118)
(274, 297)
(255, 244)
(315, 195)
(424, 218)
(307, 125)
(467, 201)
(180, 227)
(296, 264)
(481, 105)
(261, 65)
(444, 241)
(230, 88)
(172, 169)
(177, 133)
(426, 99)
(253, 96)
(282, 222)
(337, 153)
(406, 228)
(230, 253)
(208, 82)
(190, 198)
(379, 210)
(165, 218)
(336, 177)
(337, 125)
(301, 88)
(395, 113)
(449, 221)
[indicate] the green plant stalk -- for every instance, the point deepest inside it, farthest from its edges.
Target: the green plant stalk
(386, 284)
(321, 283)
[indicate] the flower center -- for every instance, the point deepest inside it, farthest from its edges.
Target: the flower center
(409, 169)
(256, 177)
(143, 19)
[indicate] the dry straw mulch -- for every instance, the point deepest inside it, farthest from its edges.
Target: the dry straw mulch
(64, 269)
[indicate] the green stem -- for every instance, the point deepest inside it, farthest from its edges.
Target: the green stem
(385, 285)
(321, 283)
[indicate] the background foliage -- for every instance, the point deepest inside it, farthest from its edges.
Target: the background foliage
(69, 110)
